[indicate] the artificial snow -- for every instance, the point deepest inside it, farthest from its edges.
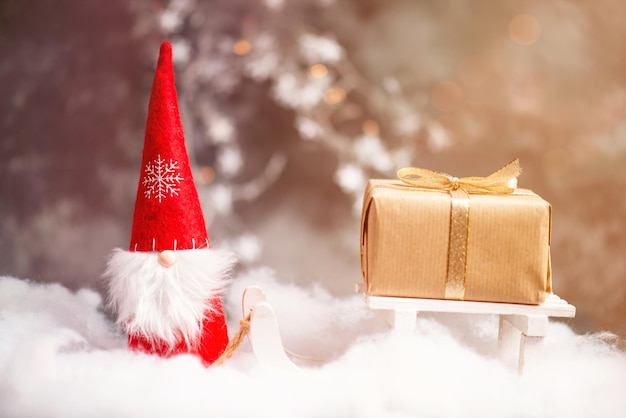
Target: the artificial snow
(60, 356)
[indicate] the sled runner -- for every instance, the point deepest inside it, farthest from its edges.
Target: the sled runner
(264, 335)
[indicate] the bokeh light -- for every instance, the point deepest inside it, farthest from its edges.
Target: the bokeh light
(524, 29)
(334, 95)
(370, 127)
(242, 47)
(318, 71)
(206, 175)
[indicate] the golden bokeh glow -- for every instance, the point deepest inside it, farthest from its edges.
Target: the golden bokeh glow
(318, 71)
(334, 95)
(524, 29)
(370, 127)
(242, 47)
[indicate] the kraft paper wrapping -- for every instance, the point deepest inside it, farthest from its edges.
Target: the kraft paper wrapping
(405, 241)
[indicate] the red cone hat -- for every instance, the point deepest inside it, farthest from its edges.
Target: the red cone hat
(167, 209)
(166, 289)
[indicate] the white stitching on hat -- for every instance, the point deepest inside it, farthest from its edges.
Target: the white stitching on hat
(161, 179)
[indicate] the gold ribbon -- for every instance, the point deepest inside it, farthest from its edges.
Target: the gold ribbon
(503, 181)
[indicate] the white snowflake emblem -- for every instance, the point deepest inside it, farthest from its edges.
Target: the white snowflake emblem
(161, 179)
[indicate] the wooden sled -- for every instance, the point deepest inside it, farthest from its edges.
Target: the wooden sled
(521, 327)
(264, 335)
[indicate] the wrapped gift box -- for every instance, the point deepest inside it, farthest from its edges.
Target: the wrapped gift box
(406, 244)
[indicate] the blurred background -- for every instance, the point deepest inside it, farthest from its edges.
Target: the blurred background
(290, 106)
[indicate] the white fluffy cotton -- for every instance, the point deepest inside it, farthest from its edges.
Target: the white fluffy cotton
(166, 303)
(60, 358)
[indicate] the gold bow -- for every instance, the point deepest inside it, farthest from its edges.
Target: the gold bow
(503, 181)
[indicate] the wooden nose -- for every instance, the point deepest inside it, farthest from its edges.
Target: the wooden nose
(167, 258)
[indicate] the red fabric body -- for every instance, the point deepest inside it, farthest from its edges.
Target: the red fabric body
(165, 216)
(209, 347)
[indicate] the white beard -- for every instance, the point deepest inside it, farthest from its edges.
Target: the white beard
(168, 303)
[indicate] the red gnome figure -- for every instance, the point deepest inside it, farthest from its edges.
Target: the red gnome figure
(166, 288)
